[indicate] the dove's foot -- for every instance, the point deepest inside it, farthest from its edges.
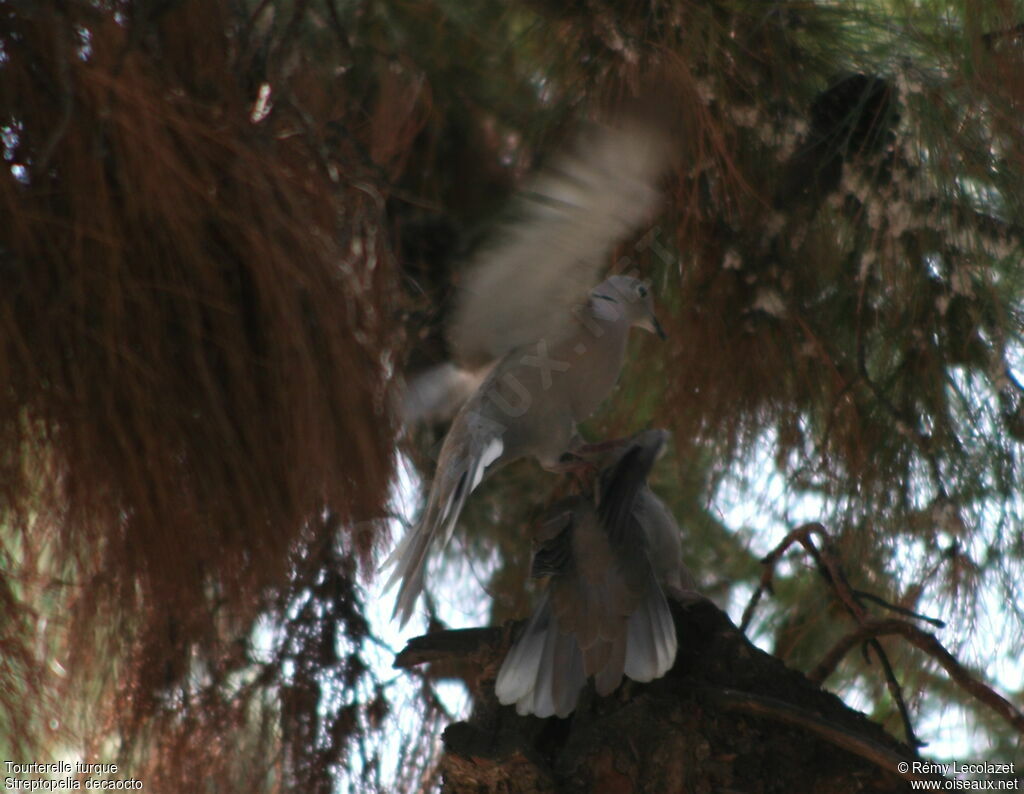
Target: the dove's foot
(570, 463)
(599, 449)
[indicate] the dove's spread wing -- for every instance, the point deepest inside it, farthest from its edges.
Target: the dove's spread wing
(436, 394)
(523, 286)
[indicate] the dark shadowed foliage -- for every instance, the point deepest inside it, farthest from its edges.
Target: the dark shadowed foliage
(196, 334)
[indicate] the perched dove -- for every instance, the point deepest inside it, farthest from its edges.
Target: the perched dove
(555, 346)
(610, 558)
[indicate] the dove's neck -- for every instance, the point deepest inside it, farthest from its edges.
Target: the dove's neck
(596, 355)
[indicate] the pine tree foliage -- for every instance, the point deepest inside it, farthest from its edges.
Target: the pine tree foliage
(227, 226)
(195, 343)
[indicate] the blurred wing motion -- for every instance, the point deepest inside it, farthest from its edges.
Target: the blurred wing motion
(604, 613)
(437, 393)
(524, 286)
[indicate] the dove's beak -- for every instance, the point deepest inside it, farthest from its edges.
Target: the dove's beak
(650, 323)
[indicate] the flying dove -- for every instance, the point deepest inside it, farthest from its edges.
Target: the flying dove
(554, 345)
(611, 557)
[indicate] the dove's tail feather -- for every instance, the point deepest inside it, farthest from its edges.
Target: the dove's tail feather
(448, 494)
(543, 672)
(410, 556)
(409, 559)
(650, 638)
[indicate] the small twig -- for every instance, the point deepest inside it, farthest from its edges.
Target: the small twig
(780, 711)
(831, 571)
(861, 594)
(768, 574)
(897, 694)
(828, 665)
(930, 645)
(856, 610)
(827, 567)
(748, 612)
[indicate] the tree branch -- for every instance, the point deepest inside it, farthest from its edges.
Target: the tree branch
(781, 711)
(873, 628)
(832, 572)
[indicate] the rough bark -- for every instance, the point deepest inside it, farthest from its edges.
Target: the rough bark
(727, 718)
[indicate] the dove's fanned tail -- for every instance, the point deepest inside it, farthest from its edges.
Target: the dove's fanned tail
(650, 638)
(543, 672)
(444, 505)
(546, 668)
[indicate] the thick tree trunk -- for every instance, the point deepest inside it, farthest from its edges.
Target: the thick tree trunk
(727, 718)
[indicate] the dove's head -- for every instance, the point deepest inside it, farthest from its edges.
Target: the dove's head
(629, 298)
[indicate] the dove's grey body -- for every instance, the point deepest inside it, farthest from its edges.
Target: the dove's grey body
(664, 543)
(526, 308)
(528, 406)
(604, 612)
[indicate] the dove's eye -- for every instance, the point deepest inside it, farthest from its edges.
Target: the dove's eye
(641, 290)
